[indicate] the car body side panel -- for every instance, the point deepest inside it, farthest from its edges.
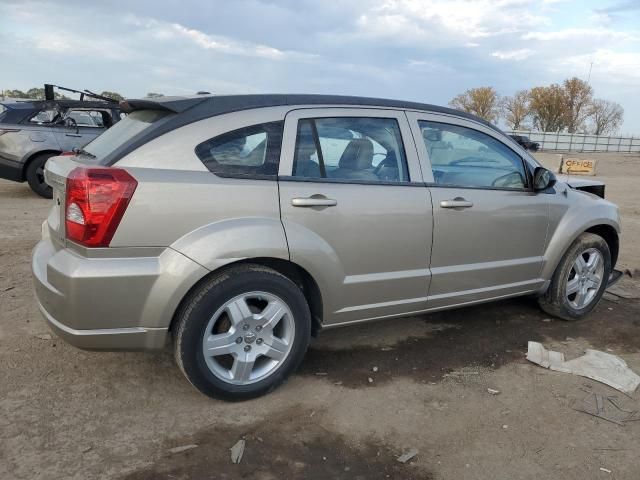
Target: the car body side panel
(492, 249)
(171, 204)
(210, 219)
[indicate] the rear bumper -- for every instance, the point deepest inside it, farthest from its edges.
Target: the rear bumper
(131, 338)
(123, 303)
(10, 170)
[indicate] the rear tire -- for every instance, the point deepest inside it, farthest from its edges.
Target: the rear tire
(35, 175)
(579, 280)
(242, 332)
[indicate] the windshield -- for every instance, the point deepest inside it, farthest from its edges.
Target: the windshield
(123, 131)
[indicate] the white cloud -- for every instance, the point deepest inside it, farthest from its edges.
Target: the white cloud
(609, 65)
(415, 20)
(581, 33)
(166, 31)
(519, 54)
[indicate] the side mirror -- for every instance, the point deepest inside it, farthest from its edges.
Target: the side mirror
(543, 179)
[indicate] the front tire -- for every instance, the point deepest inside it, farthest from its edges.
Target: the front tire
(35, 175)
(242, 332)
(579, 280)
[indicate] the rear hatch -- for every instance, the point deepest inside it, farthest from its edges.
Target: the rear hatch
(56, 172)
(58, 169)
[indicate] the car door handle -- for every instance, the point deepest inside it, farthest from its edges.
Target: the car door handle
(314, 202)
(457, 202)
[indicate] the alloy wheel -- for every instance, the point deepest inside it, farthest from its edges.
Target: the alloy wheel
(248, 338)
(585, 278)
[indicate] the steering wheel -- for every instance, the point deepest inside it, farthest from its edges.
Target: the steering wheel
(510, 180)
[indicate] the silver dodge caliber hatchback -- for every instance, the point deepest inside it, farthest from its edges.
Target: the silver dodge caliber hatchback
(239, 226)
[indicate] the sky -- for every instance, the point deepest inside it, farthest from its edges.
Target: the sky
(418, 50)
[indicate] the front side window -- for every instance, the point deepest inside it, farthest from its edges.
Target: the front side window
(350, 148)
(249, 151)
(466, 157)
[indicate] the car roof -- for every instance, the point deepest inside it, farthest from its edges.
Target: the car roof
(212, 105)
(190, 109)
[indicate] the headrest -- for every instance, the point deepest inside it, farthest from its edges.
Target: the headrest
(358, 155)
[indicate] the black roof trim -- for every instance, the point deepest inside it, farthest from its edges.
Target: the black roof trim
(196, 108)
(39, 104)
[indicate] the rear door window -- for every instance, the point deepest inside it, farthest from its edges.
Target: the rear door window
(350, 148)
(247, 152)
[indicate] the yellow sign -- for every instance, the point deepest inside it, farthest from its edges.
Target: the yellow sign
(577, 166)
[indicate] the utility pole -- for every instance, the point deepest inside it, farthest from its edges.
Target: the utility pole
(589, 77)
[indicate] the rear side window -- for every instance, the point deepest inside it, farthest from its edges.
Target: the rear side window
(350, 148)
(248, 152)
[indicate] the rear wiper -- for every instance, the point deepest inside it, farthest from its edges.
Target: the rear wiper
(82, 151)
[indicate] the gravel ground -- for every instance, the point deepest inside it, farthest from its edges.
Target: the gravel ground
(65, 413)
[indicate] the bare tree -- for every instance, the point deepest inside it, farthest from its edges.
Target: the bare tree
(548, 108)
(606, 116)
(516, 109)
(482, 101)
(578, 96)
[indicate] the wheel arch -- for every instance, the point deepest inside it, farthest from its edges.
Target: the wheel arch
(292, 271)
(604, 228)
(610, 235)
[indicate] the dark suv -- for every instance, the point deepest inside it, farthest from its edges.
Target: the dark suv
(32, 131)
(525, 143)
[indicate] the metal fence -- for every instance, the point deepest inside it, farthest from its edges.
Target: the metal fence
(578, 142)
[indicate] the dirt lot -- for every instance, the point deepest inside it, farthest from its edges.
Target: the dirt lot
(66, 413)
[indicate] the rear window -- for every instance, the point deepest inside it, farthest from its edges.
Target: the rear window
(123, 131)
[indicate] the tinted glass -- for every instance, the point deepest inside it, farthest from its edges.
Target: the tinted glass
(350, 148)
(123, 131)
(463, 156)
(249, 151)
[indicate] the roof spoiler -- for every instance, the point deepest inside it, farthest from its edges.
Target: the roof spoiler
(49, 93)
(169, 104)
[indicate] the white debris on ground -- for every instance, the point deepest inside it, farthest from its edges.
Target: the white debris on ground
(237, 451)
(405, 457)
(600, 366)
(182, 448)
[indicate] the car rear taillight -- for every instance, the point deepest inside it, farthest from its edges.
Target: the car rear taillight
(96, 200)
